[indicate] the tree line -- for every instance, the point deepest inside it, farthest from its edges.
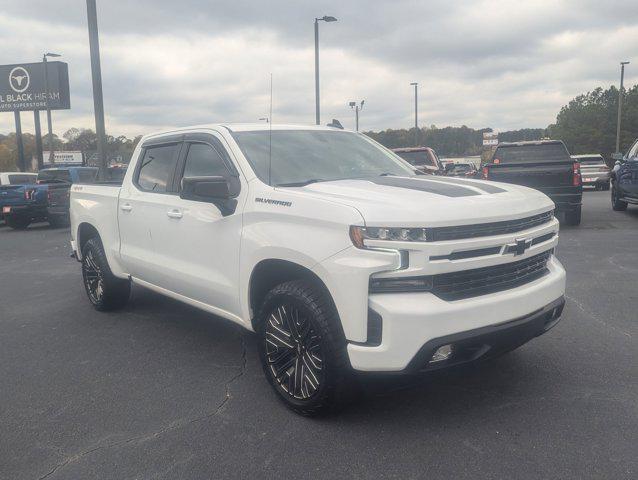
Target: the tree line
(587, 124)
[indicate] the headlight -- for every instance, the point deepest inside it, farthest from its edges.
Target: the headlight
(360, 234)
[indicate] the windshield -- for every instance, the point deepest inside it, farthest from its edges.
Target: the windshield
(543, 152)
(305, 156)
(418, 158)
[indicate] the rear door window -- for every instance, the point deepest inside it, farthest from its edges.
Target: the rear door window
(547, 152)
(157, 168)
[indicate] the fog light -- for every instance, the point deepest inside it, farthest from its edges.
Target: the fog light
(442, 353)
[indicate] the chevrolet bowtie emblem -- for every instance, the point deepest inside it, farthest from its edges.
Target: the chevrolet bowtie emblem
(519, 247)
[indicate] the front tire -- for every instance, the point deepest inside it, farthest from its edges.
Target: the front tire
(303, 349)
(105, 291)
(616, 203)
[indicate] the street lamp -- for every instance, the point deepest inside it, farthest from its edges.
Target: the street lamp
(356, 108)
(622, 76)
(416, 115)
(325, 18)
(46, 100)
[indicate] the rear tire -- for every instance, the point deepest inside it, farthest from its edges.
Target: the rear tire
(616, 203)
(105, 291)
(573, 218)
(303, 349)
(17, 223)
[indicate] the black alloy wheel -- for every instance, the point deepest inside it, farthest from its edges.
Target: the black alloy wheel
(93, 278)
(293, 352)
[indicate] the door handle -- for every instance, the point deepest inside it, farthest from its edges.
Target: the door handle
(127, 207)
(174, 214)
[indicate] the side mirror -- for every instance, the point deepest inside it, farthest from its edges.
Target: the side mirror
(205, 189)
(617, 157)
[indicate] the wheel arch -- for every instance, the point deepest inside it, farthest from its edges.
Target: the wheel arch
(86, 231)
(271, 272)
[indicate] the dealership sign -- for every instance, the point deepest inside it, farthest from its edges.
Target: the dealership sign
(23, 87)
(490, 139)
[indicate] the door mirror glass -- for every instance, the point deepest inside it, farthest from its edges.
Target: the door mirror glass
(205, 189)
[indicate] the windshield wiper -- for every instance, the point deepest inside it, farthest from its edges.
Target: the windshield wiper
(387, 174)
(301, 184)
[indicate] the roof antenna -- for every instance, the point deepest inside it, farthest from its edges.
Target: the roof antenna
(270, 134)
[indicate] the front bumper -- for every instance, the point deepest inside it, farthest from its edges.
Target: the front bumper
(412, 322)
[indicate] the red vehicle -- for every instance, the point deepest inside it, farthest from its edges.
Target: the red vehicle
(424, 159)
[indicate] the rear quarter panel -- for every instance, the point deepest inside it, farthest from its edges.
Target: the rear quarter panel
(97, 205)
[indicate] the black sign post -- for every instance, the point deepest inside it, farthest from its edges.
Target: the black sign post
(38, 138)
(23, 88)
(21, 162)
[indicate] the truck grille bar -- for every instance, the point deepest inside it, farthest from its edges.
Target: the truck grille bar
(481, 281)
(436, 234)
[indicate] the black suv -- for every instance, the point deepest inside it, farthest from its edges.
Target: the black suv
(624, 180)
(544, 165)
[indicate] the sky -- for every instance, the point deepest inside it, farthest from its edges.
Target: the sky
(499, 64)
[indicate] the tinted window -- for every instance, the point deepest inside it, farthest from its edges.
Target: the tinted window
(87, 175)
(417, 158)
(203, 160)
(298, 156)
(54, 176)
(544, 152)
(157, 168)
(21, 179)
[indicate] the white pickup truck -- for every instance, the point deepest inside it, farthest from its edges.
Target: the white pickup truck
(329, 246)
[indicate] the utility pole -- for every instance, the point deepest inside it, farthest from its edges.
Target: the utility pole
(416, 114)
(620, 94)
(96, 73)
(325, 18)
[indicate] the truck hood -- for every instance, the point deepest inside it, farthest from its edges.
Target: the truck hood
(432, 201)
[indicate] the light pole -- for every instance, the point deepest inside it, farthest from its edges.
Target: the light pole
(46, 101)
(416, 114)
(356, 108)
(325, 18)
(622, 77)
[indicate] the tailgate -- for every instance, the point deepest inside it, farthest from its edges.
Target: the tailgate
(542, 176)
(58, 195)
(12, 195)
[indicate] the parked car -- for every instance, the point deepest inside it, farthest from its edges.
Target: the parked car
(594, 171)
(424, 159)
(544, 165)
(624, 180)
(48, 199)
(460, 170)
(12, 187)
(333, 250)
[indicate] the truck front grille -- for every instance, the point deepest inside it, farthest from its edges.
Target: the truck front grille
(436, 234)
(481, 281)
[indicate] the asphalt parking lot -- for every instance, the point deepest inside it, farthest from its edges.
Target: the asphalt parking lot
(161, 390)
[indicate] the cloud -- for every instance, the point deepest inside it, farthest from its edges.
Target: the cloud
(500, 64)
